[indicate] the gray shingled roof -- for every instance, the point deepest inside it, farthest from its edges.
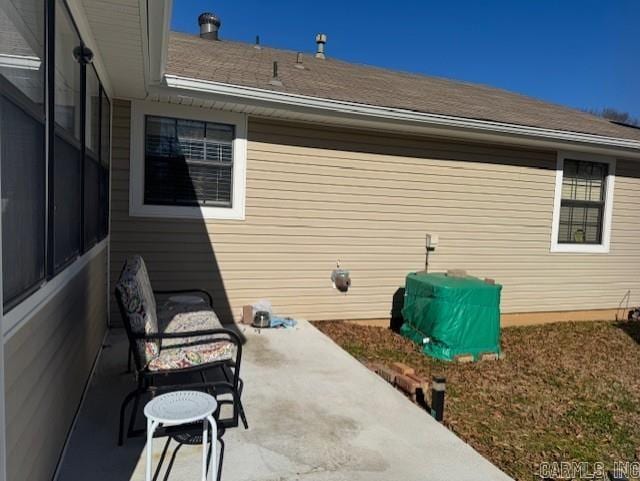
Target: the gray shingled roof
(242, 64)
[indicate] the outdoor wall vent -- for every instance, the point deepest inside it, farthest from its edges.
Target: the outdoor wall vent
(209, 26)
(321, 40)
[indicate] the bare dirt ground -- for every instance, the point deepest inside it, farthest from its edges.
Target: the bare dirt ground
(563, 392)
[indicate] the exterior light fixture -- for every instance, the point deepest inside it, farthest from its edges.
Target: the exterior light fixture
(83, 54)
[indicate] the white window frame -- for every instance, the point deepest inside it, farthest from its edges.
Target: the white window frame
(137, 207)
(607, 215)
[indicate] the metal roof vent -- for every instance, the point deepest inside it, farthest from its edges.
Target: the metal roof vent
(209, 26)
(321, 40)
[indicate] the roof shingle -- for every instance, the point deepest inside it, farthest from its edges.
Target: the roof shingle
(242, 64)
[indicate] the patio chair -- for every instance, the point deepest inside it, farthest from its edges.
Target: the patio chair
(177, 341)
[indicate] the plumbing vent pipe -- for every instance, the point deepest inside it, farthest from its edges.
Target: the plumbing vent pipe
(275, 79)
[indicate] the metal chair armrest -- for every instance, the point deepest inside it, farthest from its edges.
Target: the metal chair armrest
(189, 334)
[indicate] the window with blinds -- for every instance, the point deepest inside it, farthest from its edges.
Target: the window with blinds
(582, 202)
(188, 162)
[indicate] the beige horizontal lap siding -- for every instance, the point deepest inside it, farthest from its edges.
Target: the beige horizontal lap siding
(316, 195)
(47, 364)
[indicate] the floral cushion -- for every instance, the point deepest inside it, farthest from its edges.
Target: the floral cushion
(177, 317)
(183, 356)
(139, 305)
(136, 266)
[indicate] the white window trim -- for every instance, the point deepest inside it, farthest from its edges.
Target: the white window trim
(602, 248)
(137, 207)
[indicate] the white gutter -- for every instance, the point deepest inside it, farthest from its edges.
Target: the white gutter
(289, 101)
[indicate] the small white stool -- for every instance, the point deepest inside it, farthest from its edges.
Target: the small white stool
(183, 407)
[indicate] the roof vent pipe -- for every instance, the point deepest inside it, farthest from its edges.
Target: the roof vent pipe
(321, 40)
(209, 26)
(275, 79)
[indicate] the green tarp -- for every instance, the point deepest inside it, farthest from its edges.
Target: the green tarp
(451, 316)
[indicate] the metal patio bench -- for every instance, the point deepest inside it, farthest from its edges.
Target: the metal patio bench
(177, 341)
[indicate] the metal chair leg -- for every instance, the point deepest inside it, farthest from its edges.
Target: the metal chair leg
(134, 413)
(123, 407)
(243, 417)
(238, 409)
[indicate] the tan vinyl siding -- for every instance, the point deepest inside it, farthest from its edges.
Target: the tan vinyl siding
(316, 195)
(47, 364)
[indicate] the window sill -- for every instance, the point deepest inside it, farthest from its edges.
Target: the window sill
(581, 248)
(182, 212)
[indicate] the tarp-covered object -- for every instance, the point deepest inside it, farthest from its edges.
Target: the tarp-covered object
(451, 316)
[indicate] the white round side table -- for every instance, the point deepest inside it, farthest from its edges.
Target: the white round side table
(183, 407)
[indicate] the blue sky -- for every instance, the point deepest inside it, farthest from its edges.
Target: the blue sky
(580, 53)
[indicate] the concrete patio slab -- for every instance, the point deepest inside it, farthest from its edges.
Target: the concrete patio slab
(315, 414)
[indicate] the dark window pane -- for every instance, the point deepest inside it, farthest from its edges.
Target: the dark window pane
(91, 201)
(188, 162)
(22, 47)
(23, 202)
(104, 203)
(105, 131)
(105, 161)
(92, 119)
(584, 180)
(582, 203)
(66, 218)
(67, 74)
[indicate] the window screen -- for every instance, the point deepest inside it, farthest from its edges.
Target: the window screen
(582, 204)
(30, 189)
(188, 162)
(22, 47)
(67, 148)
(91, 202)
(67, 74)
(105, 162)
(92, 160)
(92, 112)
(22, 148)
(23, 202)
(66, 181)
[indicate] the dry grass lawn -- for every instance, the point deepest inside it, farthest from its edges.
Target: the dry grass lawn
(564, 392)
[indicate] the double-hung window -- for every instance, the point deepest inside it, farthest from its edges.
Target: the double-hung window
(187, 162)
(583, 204)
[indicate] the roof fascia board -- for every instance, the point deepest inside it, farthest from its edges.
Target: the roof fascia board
(158, 18)
(80, 19)
(144, 29)
(441, 124)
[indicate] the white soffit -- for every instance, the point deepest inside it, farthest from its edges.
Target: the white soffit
(118, 27)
